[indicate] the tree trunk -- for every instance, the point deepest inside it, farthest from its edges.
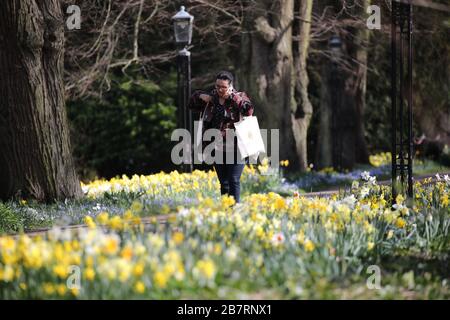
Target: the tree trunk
(301, 117)
(266, 70)
(35, 158)
(358, 51)
(344, 93)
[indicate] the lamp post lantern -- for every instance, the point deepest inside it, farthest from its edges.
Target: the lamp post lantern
(335, 45)
(183, 23)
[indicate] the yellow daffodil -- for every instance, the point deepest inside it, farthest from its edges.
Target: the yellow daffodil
(89, 222)
(309, 246)
(400, 223)
(177, 237)
(103, 218)
(139, 287)
(89, 274)
(48, 288)
(206, 268)
(160, 279)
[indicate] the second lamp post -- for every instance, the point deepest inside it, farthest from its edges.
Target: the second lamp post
(182, 23)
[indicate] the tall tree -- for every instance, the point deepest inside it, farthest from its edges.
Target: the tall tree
(341, 141)
(301, 116)
(268, 73)
(357, 81)
(36, 158)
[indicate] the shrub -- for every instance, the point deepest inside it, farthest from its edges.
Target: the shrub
(9, 221)
(126, 131)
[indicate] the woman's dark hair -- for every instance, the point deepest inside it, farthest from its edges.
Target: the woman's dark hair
(225, 75)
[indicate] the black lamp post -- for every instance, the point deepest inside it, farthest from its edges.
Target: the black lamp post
(335, 46)
(182, 23)
(401, 97)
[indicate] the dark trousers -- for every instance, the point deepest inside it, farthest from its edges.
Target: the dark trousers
(229, 175)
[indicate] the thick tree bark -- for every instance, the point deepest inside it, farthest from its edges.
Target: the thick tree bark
(266, 70)
(301, 117)
(35, 158)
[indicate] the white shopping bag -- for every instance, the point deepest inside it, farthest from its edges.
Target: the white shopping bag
(199, 138)
(250, 141)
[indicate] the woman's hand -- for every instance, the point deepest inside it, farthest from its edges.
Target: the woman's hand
(205, 97)
(229, 92)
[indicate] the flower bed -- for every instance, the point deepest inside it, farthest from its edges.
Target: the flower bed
(266, 247)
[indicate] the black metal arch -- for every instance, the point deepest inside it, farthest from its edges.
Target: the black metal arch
(401, 90)
(401, 97)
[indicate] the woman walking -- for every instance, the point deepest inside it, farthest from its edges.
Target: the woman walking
(223, 106)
